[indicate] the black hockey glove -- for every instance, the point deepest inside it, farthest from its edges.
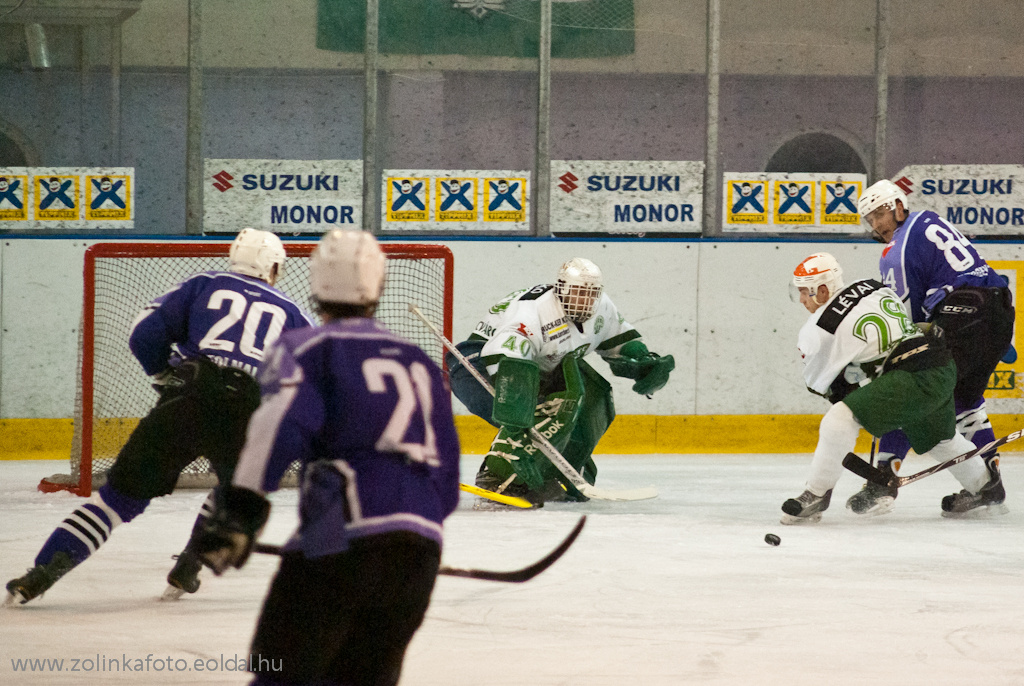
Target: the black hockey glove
(839, 389)
(164, 380)
(228, 535)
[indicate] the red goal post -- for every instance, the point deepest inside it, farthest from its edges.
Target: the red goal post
(120, 279)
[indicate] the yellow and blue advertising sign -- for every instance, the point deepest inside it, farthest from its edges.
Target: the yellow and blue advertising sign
(34, 198)
(15, 193)
(447, 200)
(791, 202)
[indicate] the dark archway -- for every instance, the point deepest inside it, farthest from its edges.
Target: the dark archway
(11, 154)
(816, 153)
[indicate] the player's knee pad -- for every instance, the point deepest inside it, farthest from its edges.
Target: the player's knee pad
(840, 423)
(118, 506)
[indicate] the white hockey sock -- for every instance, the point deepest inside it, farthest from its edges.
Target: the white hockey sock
(972, 474)
(837, 436)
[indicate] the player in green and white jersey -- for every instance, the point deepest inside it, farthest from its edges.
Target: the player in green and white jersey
(862, 352)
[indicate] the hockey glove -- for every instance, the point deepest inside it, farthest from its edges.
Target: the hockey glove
(164, 380)
(650, 370)
(227, 537)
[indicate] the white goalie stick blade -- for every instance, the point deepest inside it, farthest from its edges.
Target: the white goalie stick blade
(608, 494)
(875, 475)
(515, 576)
(573, 477)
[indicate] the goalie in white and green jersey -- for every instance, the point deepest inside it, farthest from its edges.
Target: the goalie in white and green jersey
(531, 346)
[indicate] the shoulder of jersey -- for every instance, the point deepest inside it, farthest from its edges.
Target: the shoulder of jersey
(535, 293)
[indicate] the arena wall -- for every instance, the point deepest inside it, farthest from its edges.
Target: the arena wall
(722, 308)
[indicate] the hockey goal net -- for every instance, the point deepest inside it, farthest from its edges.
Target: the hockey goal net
(120, 279)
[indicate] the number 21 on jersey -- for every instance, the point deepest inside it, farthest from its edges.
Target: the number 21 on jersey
(414, 395)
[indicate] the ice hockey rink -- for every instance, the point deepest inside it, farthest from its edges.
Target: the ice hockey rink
(681, 589)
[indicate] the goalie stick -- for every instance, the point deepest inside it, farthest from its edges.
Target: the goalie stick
(544, 445)
(858, 466)
(498, 497)
(516, 576)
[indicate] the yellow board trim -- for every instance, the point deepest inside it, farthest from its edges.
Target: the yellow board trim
(50, 439)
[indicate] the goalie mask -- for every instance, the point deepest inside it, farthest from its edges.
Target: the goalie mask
(347, 267)
(579, 288)
(820, 269)
(883, 193)
(255, 253)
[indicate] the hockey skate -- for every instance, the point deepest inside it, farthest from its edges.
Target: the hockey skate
(39, 579)
(184, 578)
(805, 509)
(873, 500)
(985, 503)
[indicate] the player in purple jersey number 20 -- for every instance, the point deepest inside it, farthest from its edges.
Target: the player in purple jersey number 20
(198, 342)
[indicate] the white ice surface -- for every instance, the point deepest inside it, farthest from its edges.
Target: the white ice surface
(677, 590)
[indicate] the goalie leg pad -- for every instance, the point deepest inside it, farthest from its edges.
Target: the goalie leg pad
(595, 416)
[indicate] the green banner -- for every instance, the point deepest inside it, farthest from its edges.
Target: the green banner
(500, 28)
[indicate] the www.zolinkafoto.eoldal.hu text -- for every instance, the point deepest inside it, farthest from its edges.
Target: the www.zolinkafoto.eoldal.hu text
(150, 663)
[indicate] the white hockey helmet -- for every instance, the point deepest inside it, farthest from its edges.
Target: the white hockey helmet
(347, 267)
(880, 193)
(579, 288)
(255, 252)
(816, 270)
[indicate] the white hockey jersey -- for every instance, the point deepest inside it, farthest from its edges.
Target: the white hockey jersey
(530, 324)
(852, 334)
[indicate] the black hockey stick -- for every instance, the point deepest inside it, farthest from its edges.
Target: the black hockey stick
(858, 466)
(516, 576)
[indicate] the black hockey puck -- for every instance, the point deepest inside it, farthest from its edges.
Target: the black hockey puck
(772, 539)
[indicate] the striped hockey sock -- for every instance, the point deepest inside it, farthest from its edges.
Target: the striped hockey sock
(89, 526)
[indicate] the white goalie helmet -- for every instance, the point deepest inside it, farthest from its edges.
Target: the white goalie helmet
(882, 193)
(255, 252)
(347, 267)
(817, 270)
(579, 288)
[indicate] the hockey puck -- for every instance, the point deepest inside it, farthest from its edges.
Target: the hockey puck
(772, 539)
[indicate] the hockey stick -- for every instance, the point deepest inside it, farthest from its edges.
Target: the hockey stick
(875, 475)
(516, 576)
(498, 497)
(543, 444)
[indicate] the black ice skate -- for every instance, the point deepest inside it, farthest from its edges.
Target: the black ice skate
(39, 579)
(873, 500)
(806, 509)
(986, 502)
(184, 578)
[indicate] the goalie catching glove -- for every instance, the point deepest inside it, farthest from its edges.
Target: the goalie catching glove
(228, 535)
(650, 370)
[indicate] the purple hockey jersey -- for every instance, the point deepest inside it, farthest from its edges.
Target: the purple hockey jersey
(927, 258)
(369, 415)
(230, 318)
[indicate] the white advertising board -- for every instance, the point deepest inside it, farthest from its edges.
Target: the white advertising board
(787, 203)
(454, 200)
(979, 199)
(626, 197)
(35, 198)
(284, 196)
